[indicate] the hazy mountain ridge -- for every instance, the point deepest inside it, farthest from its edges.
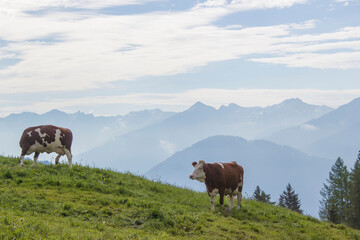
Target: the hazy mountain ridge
(140, 150)
(89, 131)
(266, 164)
(331, 135)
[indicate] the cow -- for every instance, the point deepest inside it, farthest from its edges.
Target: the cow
(220, 178)
(46, 138)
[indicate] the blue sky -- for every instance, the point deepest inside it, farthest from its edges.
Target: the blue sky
(112, 57)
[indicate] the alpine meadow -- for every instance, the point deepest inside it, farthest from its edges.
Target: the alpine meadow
(55, 202)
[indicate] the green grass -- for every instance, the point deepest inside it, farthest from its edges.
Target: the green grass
(55, 202)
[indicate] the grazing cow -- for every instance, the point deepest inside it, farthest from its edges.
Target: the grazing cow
(220, 178)
(46, 138)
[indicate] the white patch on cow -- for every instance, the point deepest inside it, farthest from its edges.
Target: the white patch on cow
(54, 146)
(42, 135)
(29, 133)
(230, 192)
(198, 172)
(221, 165)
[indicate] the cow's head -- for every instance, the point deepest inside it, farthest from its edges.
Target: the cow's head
(198, 173)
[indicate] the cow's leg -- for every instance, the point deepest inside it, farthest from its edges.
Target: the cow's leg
(212, 202)
(23, 153)
(69, 157)
(57, 159)
(22, 160)
(222, 193)
(36, 156)
(239, 196)
(231, 201)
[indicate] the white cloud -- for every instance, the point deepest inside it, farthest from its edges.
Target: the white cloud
(308, 127)
(345, 2)
(105, 129)
(342, 60)
(244, 5)
(169, 147)
(64, 51)
(25, 5)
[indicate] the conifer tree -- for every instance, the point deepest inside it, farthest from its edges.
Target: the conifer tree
(257, 193)
(260, 195)
(335, 202)
(328, 206)
(289, 199)
(355, 194)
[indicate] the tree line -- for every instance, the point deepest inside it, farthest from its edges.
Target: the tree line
(340, 202)
(288, 199)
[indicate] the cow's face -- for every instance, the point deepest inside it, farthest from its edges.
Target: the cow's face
(198, 173)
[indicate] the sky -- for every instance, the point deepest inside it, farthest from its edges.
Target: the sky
(111, 57)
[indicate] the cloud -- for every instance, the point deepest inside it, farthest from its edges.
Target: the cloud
(169, 147)
(308, 127)
(183, 100)
(245, 5)
(342, 60)
(345, 2)
(24, 5)
(80, 50)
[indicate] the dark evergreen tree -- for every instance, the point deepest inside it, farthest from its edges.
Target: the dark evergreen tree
(289, 199)
(354, 220)
(260, 195)
(257, 193)
(328, 206)
(335, 203)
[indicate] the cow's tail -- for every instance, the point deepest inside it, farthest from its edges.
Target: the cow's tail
(241, 184)
(241, 180)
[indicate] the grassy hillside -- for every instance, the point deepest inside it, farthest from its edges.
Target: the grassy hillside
(55, 202)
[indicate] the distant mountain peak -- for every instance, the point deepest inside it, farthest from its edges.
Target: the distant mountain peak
(231, 107)
(55, 112)
(293, 101)
(353, 103)
(199, 106)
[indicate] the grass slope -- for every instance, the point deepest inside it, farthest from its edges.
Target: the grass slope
(55, 202)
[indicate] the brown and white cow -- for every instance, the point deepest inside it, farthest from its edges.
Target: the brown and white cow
(46, 138)
(220, 178)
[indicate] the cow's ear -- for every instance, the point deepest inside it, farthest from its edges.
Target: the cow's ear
(202, 161)
(194, 164)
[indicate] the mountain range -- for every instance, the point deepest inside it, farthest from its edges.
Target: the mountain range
(138, 151)
(333, 135)
(89, 131)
